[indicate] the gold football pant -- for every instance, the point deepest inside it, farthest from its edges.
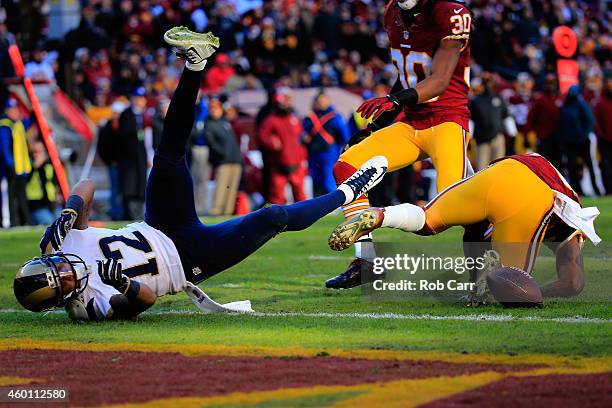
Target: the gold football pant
(446, 145)
(510, 196)
(403, 145)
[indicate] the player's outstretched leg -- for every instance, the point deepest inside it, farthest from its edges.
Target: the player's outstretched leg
(303, 214)
(396, 142)
(195, 48)
(169, 196)
(222, 245)
(364, 246)
(407, 217)
(463, 203)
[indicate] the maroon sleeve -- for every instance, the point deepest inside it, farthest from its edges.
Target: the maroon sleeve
(453, 21)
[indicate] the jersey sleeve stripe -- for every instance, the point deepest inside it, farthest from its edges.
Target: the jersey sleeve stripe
(458, 37)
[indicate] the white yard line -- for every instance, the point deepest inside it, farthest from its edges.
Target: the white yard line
(480, 317)
(325, 257)
(390, 316)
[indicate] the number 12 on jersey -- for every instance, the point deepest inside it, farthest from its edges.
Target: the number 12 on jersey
(140, 244)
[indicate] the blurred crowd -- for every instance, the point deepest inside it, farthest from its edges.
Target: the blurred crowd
(115, 66)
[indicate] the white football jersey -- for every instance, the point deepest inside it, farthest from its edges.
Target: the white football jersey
(146, 255)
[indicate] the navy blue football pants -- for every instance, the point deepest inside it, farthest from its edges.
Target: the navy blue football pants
(206, 250)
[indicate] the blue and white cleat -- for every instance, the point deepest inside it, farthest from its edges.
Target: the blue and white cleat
(364, 179)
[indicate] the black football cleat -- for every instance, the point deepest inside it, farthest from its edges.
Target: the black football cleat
(359, 271)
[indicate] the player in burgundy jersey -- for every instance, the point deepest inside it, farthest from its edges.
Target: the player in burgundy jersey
(522, 200)
(429, 46)
(519, 100)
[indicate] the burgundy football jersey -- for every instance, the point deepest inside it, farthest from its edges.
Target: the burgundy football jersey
(518, 107)
(412, 49)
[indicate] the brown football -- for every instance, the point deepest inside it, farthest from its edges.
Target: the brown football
(513, 287)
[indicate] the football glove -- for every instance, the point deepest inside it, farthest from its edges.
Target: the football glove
(76, 310)
(54, 235)
(391, 103)
(111, 274)
(375, 107)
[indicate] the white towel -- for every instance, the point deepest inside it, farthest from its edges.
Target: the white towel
(577, 217)
(207, 305)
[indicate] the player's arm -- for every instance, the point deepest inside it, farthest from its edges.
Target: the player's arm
(442, 69)
(570, 271)
(74, 215)
(128, 308)
(134, 297)
(382, 120)
(84, 189)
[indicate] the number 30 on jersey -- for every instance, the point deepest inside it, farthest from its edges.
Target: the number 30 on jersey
(414, 66)
(462, 24)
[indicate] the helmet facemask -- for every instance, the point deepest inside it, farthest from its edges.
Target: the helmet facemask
(79, 272)
(38, 284)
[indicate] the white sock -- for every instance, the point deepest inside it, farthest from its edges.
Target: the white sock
(407, 217)
(349, 196)
(364, 248)
(195, 67)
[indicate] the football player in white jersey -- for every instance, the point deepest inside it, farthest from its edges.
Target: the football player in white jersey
(104, 273)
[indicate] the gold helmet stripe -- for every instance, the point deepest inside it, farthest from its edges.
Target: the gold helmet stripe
(39, 296)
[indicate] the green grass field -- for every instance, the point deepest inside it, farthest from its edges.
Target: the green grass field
(284, 281)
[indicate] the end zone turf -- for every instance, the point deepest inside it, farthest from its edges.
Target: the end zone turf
(420, 352)
(193, 375)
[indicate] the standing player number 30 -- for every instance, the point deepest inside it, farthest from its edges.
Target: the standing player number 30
(414, 66)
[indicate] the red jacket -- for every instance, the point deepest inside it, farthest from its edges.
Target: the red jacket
(280, 135)
(216, 77)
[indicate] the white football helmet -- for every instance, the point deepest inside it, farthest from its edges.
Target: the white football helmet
(407, 4)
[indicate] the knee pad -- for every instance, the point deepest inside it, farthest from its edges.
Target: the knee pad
(277, 216)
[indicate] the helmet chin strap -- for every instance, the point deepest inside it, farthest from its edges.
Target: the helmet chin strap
(407, 4)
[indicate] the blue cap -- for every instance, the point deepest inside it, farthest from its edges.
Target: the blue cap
(140, 91)
(10, 103)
